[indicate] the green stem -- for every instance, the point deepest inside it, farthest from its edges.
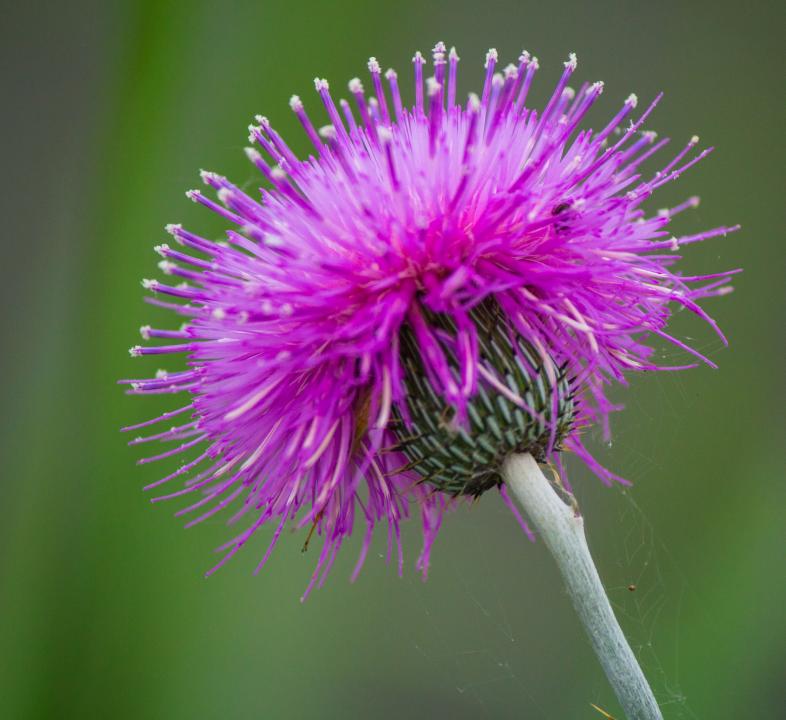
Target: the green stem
(562, 529)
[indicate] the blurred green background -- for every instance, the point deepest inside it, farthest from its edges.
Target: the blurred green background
(109, 110)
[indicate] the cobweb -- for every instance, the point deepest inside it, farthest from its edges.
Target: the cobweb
(650, 605)
(486, 663)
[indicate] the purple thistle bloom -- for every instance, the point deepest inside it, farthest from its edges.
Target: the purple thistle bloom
(402, 226)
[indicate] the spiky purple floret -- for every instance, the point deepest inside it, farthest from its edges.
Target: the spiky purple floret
(292, 325)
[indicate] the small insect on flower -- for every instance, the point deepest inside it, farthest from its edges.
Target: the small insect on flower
(434, 287)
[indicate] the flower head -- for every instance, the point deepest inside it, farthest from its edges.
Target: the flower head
(433, 287)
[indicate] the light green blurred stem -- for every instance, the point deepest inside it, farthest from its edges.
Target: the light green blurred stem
(562, 529)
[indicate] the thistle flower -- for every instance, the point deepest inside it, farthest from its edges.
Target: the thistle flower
(433, 288)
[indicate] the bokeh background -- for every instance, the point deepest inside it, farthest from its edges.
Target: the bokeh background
(108, 111)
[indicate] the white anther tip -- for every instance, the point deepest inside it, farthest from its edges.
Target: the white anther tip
(207, 176)
(694, 140)
(135, 351)
(390, 74)
(328, 132)
(296, 103)
(355, 86)
(173, 228)
(491, 56)
(373, 65)
(572, 62)
(632, 100)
